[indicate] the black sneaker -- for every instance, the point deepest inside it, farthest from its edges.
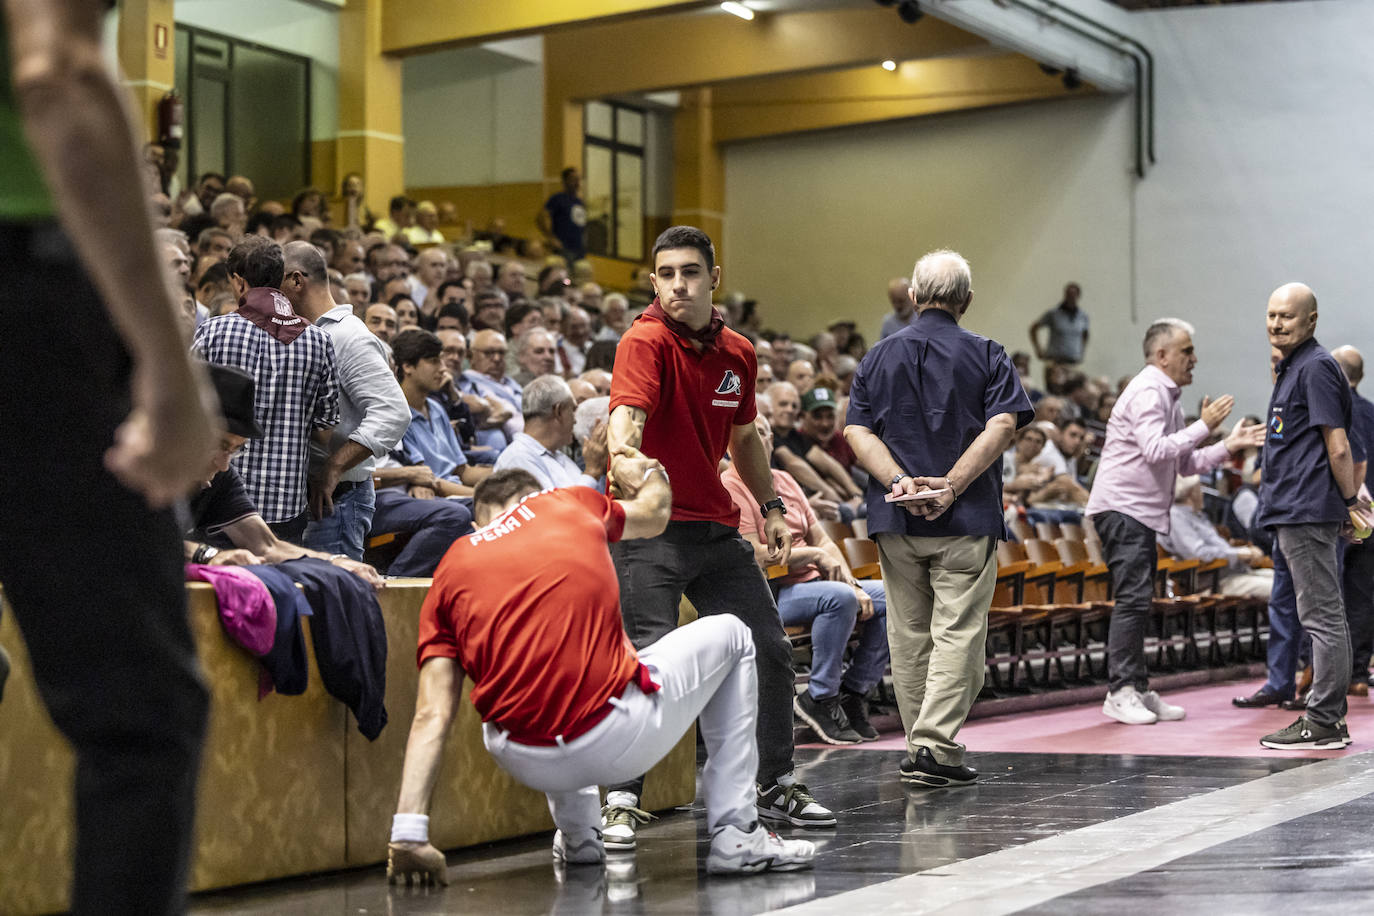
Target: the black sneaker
(924, 771)
(1304, 734)
(826, 718)
(855, 709)
(794, 805)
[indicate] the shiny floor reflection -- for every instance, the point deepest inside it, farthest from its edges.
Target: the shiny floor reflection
(885, 831)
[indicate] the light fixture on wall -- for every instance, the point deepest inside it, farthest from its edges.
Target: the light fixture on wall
(737, 9)
(889, 65)
(910, 11)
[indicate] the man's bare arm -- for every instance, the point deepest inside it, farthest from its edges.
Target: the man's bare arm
(1341, 459)
(76, 121)
(746, 450)
(645, 494)
(624, 436)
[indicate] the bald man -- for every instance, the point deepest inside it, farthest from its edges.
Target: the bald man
(1306, 492)
(1357, 578)
(898, 293)
(381, 320)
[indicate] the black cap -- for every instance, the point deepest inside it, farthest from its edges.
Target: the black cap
(237, 395)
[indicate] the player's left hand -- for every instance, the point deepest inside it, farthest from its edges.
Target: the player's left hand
(419, 862)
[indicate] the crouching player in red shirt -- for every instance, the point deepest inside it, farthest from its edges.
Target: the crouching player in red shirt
(528, 606)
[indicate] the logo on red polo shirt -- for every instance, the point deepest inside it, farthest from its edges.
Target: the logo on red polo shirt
(730, 384)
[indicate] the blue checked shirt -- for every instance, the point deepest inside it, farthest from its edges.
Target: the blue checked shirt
(297, 393)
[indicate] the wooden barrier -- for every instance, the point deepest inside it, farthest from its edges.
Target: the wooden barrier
(288, 786)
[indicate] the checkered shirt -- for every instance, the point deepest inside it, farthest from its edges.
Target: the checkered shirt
(297, 392)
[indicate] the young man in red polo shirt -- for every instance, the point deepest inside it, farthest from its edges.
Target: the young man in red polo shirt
(683, 391)
(565, 701)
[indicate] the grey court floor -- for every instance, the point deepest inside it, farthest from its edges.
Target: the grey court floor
(1041, 833)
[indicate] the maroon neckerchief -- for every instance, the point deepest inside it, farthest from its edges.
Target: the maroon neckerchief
(270, 310)
(706, 336)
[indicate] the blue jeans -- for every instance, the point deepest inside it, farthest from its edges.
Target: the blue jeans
(345, 531)
(1285, 633)
(433, 524)
(831, 608)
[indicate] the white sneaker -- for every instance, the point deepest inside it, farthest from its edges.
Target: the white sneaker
(621, 819)
(1165, 712)
(736, 851)
(1125, 705)
(588, 852)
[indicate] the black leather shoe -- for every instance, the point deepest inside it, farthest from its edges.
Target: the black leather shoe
(1259, 699)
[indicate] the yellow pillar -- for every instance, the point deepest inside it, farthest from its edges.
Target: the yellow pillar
(370, 139)
(699, 168)
(147, 52)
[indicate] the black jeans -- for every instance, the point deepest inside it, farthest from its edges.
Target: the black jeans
(714, 567)
(1358, 586)
(1129, 549)
(94, 578)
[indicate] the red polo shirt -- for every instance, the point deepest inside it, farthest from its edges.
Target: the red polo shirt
(693, 399)
(530, 607)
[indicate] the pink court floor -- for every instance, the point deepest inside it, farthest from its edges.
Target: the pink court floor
(1213, 728)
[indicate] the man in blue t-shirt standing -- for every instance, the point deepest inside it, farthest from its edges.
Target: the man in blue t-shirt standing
(1307, 490)
(564, 217)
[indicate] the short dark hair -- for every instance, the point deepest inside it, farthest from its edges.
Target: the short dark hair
(258, 261)
(399, 202)
(544, 275)
(570, 170)
(453, 310)
(216, 274)
(285, 221)
(259, 221)
(412, 345)
(1071, 421)
(601, 355)
(503, 486)
(518, 313)
(685, 237)
(332, 238)
(443, 288)
(399, 297)
(301, 197)
(206, 176)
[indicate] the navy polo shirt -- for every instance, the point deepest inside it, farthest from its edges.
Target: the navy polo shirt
(928, 391)
(1361, 425)
(1297, 487)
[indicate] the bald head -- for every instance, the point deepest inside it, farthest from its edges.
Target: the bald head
(1291, 317)
(1352, 363)
(899, 294)
(307, 259)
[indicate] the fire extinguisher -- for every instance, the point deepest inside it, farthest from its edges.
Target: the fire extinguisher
(171, 111)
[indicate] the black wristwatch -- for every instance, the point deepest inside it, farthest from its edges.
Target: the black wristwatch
(772, 504)
(204, 554)
(1350, 503)
(898, 479)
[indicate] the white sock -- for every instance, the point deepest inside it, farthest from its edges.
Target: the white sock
(622, 799)
(786, 780)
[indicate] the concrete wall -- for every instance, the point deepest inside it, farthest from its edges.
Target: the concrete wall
(1263, 178)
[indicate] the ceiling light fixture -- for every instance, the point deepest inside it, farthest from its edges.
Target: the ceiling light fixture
(737, 9)
(889, 65)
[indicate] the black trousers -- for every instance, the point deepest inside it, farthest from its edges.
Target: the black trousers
(95, 582)
(1358, 587)
(714, 567)
(1129, 549)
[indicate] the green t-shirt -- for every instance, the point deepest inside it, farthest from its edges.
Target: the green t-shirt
(23, 193)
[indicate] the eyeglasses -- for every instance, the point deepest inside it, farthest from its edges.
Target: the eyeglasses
(232, 452)
(485, 352)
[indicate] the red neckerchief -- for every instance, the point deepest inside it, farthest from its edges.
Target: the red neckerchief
(270, 310)
(706, 336)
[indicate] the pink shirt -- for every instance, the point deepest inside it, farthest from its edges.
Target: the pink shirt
(800, 516)
(1147, 447)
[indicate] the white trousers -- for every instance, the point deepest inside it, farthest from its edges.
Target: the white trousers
(705, 670)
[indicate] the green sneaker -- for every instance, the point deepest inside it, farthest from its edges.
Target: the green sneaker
(1304, 734)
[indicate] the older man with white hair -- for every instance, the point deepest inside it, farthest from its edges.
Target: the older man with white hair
(935, 504)
(550, 414)
(1192, 534)
(1147, 447)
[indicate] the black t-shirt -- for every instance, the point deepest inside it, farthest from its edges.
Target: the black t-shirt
(795, 442)
(222, 503)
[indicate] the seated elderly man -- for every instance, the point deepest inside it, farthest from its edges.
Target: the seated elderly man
(536, 354)
(486, 376)
(550, 413)
(226, 529)
(819, 590)
(1192, 534)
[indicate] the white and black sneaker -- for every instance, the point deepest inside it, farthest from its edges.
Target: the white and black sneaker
(1304, 734)
(793, 805)
(736, 851)
(588, 852)
(620, 820)
(923, 770)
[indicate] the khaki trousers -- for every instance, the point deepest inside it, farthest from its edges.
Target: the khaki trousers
(938, 593)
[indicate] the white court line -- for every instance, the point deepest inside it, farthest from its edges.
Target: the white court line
(1030, 874)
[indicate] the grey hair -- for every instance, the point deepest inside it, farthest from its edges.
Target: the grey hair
(845, 364)
(543, 394)
(942, 277)
(588, 414)
(223, 201)
(1164, 328)
(523, 342)
(607, 299)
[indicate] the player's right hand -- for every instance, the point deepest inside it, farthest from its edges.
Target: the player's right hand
(418, 863)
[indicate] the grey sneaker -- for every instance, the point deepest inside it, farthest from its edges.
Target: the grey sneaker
(793, 804)
(736, 851)
(826, 718)
(588, 852)
(618, 826)
(1304, 734)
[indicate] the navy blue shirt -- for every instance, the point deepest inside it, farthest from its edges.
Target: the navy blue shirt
(1361, 424)
(928, 391)
(568, 220)
(1297, 487)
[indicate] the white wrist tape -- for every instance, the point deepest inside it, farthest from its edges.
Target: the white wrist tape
(410, 828)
